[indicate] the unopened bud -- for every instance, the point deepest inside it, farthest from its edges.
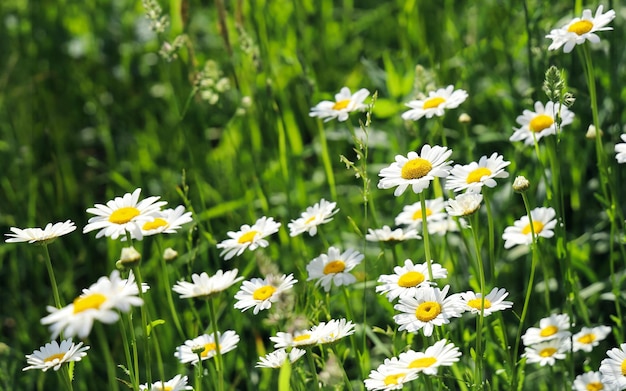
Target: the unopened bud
(592, 132)
(521, 184)
(129, 257)
(465, 118)
(170, 254)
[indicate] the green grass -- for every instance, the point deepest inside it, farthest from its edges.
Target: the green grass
(89, 111)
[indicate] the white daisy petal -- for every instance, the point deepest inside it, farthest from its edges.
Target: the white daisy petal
(540, 123)
(345, 103)
(334, 268)
(520, 233)
(53, 356)
(435, 104)
(579, 30)
(248, 237)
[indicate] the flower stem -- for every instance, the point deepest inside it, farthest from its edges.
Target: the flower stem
(53, 281)
(311, 360)
(478, 375)
(492, 250)
(219, 366)
(144, 324)
(425, 235)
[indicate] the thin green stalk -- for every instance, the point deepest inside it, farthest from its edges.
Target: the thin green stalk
(198, 373)
(108, 360)
(425, 235)
(346, 297)
(492, 248)
(311, 360)
(132, 364)
(326, 161)
(53, 281)
(478, 374)
(143, 310)
(346, 379)
(529, 288)
(65, 376)
(219, 365)
(168, 291)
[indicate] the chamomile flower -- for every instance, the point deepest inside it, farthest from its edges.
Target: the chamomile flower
(464, 204)
(620, 151)
(520, 233)
(204, 286)
(300, 338)
(436, 104)
(547, 352)
(494, 301)
(40, 236)
(227, 342)
(277, 358)
(429, 308)
(540, 123)
(408, 279)
(248, 237)
(101, 302)
(123, 214)
(53, 355)
(389, 377)
(385, 234)
(416, 170)
(472, 177)
(613, 368)
(260, 293)
(345, 103)
(591, 381)
(177, 383)
(589, 337)
(553, 327)
(440, 354)
(579, 30)
(334, 268)
(167, 221)
(318, 214)
(411, 215)
(334, 330)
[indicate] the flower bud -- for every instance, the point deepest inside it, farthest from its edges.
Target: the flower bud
(521, 184)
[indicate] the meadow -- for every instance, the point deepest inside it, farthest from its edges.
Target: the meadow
(503, 264)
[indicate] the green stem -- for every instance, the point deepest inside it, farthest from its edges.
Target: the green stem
(219, 366)
(131, 365)
(326, 161)
(198, 373)
(492, 248)
(425, 235)
(478, 375)
(53, 281)
(143, 310)
(168, 292)
(311, 360)
(65, 376)
(108, 360)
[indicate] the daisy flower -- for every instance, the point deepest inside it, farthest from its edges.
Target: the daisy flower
(472, 177)
(589, 337)
(579, 30)
(411, 215)
(101, 302)
(204, 286)
(613, 368)
(177, 383)
(260, 293)
(464, 204)
(248, 237)
(494, 301)
(334, 330)
(436, 103)
(300, 338)
(318, 214)
(227, 342)
(40, 236)
(408, 279)
(440, 354)
(553, 327)
(123, 214)
(591, 381)
(345, 103)
(620, 151)
(334, 268)
(385, 234)
(429, 308)
(416, 170)
(547, 352)
(389, 377)
(540, 123)
(520, 233)
(167, 221)
(52, 355)
(277, 358)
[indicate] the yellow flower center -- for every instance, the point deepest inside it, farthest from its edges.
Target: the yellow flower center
(548, 331)
(537, 227)
(547, 352)
(393, 379)
(264, 292)
(595, 386)
(416, 168)
(423, 362)
(540, 122)
(248, 237)
(156, 223)
(410, 279)
(342, 104)
(418, 214)
(89, 302)
(431, 103)
(309, 220)
(58, 356)
(333, 267)
(208, 348)
(581, 27)
(124, 215)
(624, 368)
(587, 338)
(478, 173)
(476, 303)
(428, 311)
(301, 337)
